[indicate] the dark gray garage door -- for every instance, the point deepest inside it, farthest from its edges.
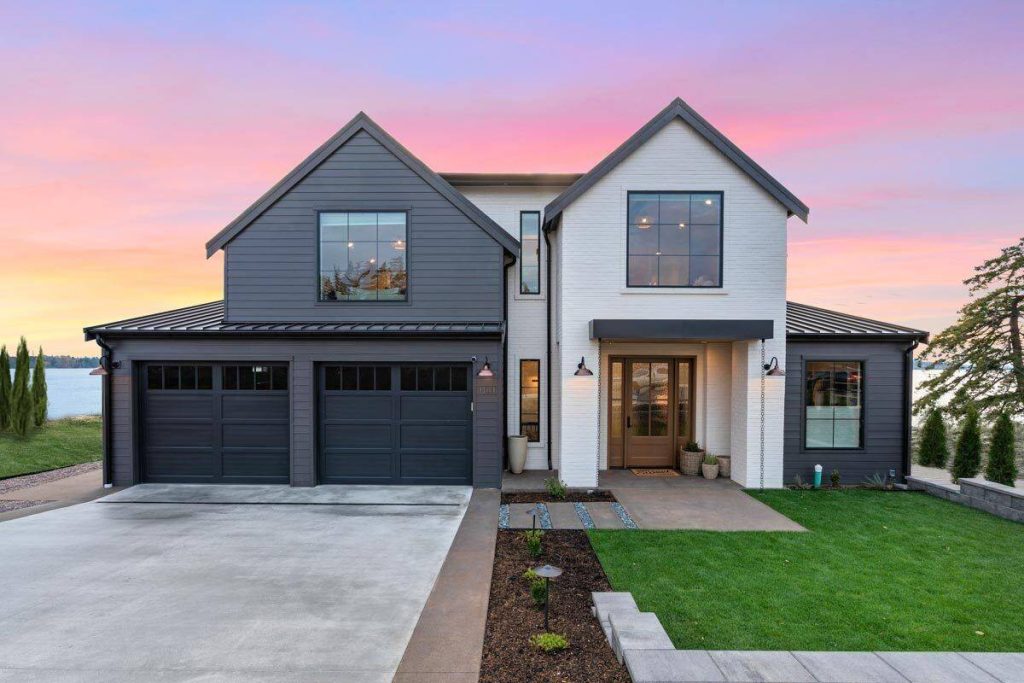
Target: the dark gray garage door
(395, 424)
(215, 423)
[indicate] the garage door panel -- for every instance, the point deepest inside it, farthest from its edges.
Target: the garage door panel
(253, 463)
(354, 465)
(385, 424)
(169, 465)
(179, 434)
(215, 423)
(434, 436)
(434, 407)
(253, 406)
(258, 435)
(362, 406)
(180, 405)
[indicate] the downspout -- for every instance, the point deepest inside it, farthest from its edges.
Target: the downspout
(107, 363)
(908, 406)
(547, 338)
(504, 368)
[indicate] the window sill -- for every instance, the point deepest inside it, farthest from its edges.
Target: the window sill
(685, 291)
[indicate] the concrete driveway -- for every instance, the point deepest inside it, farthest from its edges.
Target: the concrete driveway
(124, 591)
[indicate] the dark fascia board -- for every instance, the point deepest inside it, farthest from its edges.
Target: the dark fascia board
(361, 122)
(854, 337)
(675, 329)
(291, 334)
(677, 109)
(511, 179)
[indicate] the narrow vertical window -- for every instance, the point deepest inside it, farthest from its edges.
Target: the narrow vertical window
(529, 399)
(529, 258)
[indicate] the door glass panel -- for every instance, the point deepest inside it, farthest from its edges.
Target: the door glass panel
(640, 392)
(684, 400)
(659, 399)
(616, 398)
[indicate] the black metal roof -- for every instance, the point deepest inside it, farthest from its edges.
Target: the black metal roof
(208, 319)
(677, 109)
(811, 322)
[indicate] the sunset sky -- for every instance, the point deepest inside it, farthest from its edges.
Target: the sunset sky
(131, 132)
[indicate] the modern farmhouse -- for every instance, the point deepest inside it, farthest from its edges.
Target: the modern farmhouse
(384, 323)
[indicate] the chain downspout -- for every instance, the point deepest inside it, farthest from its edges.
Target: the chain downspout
(600, 390)
(762, 412)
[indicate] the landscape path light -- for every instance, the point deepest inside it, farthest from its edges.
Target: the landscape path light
(547, 572)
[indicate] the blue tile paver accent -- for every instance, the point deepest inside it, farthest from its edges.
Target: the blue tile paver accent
(581, 511)
(627, 521)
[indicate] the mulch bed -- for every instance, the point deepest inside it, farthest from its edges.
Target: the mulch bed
(512, 617)
(545, 497)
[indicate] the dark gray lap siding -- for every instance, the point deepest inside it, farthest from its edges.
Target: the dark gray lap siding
(303, 355)
(884, 411)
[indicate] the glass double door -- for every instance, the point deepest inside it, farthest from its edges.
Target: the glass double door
(654, 404)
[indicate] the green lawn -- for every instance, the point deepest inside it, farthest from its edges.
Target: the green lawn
(58, 443)
(876, 571)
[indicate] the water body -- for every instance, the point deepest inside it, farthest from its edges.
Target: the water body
(72, 391)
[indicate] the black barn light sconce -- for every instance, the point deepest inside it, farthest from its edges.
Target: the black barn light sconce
(582, 370)
(772, 368)
(485, 370)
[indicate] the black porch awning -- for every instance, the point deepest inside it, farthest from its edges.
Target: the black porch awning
(681, 330)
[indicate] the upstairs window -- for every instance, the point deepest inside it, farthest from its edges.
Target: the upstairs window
(529, 257)
(674, 239)
(363, 256)
(834, 400)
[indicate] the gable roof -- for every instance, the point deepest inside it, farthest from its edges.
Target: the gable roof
(811, 322)
(361, 122)
(677, 109)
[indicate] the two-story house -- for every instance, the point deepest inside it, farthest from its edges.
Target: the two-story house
(383, 323)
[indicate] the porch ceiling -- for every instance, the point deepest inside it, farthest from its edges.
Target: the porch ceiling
(681, 330)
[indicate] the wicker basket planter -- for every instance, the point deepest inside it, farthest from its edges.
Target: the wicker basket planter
(689, 462)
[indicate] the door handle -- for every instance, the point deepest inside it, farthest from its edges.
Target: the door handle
(629, 422)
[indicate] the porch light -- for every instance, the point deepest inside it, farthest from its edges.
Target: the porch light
(772, 368)
(102, 370)
(485, 371)
(582, 370)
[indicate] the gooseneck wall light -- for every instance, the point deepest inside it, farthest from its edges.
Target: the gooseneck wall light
(582, 370)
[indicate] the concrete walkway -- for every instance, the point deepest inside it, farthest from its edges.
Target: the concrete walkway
(447, 643)
(54, 494)
(674, 502)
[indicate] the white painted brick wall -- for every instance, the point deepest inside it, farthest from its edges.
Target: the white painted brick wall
(527, 314)
(593, 277)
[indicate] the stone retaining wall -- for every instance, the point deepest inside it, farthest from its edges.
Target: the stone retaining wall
(1004, 501)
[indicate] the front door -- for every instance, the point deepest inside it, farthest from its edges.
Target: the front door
(650, 417)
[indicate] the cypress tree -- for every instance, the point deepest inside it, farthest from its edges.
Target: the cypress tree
(933, 451)
(967, 461)
(39, 401)
(21, 395)
(5, 389)
(1002, 462)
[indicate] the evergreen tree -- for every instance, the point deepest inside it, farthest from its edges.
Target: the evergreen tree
(5, 389)
(933, 451)
(982, 353)
(967, 461)
(39, 400)
(22, 413)
(1002, 461)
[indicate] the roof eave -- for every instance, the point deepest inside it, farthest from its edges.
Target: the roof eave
(858, 337)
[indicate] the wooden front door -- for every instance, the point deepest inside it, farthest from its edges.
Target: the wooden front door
(650, 411)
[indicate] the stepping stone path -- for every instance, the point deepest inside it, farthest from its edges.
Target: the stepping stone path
(564, 516)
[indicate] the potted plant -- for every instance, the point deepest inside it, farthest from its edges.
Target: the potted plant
(516, 453)
(725, 466)
(689, 459)
(710, 467)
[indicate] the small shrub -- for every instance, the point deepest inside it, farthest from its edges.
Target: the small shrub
(549, 642)
(555, 488)
(530, 575)
(533, 541)
(877, 482)
(800, 484)
(967, 460)
(835, 479)
(539, 592)
(710, 460)
(933, 451)
(693, 447)
(1002, 464)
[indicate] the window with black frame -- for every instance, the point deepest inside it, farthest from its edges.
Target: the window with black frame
(529, 399)
(674, 239)
(363, 256)
(834, 404)
(529, 258)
